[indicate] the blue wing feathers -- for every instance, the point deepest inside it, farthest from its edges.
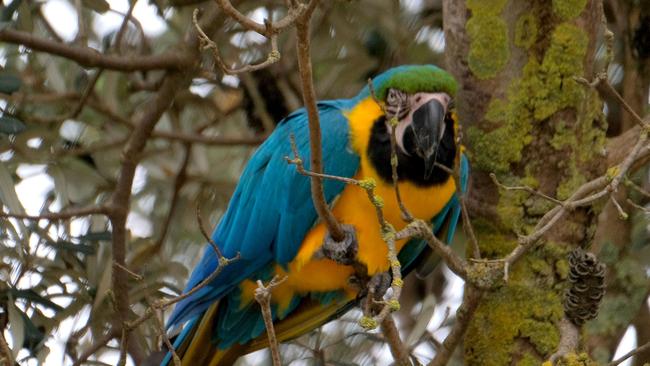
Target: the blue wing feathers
(263, 222)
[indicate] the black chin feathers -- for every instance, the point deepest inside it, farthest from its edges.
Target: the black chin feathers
(410, 167)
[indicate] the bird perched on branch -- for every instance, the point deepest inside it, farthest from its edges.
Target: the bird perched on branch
(271, 222)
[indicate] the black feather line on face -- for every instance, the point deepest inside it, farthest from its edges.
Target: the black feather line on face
(410, 167)
(397, 104)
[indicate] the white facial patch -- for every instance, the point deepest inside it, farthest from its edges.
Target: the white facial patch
(416, 101)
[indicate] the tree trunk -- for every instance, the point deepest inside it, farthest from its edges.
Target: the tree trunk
(526, 120)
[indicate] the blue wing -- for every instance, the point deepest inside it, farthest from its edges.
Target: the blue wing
(271, 210)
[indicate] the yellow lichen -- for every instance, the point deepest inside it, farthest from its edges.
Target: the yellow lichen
(568, 9)
(488, 52)
(526, 30)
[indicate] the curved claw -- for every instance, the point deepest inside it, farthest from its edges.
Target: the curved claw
(379, 284)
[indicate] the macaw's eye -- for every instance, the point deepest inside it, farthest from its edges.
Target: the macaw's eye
(397, 104)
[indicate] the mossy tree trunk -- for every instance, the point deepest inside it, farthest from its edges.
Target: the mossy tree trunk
(526, 120)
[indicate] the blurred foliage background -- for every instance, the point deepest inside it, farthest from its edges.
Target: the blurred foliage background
(63, 127)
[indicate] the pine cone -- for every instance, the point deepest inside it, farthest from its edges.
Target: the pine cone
(587, 278)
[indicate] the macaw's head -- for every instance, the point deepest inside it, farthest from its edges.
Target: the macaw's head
(418, 102)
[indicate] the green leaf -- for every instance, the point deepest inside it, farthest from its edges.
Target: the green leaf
(17, 328)
(72, 247)
(9, 83)
(100, 6)
(11, 126)
(96, 236)
(8, 11)
(30, 295)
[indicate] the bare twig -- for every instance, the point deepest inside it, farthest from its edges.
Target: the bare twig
(637, 206)
(583, 196)
(165, 338)
(525, 189)
(84, 97)
(5, 351)
(208, 44)
(67, 214)
(400, 352)
(89, 57)
(263, 297)
(471, 299)
(295, 11)
(207, 237)
(124, 26)
(97, 345)
(258, 102)
(634, 186)
(421, 229)
(179, 181)
(124, 342)
(630, 354)
(209, 140)
(621, 213)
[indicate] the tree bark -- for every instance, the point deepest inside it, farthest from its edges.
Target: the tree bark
(526, 120)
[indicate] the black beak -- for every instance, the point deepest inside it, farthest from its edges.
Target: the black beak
(428, 120)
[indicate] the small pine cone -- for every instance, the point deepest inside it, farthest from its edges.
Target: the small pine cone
(587, 279)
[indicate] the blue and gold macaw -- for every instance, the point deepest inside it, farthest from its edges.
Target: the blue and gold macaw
(271, 221)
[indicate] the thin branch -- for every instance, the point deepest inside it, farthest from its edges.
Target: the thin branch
(583, 196)
(634, 186)
(84, 97)
(89, 57)
(469, 228)
(399, 351)
(209, 140)
(295, 12)
(525, 189)
(67, 214)
(161, 330)
(263, 297)
(208, 44)
(47, 25)
(214, 245)
(179, 182)
(421, 229)
(124, 341)
(258, 102)
(637, 206)
(123, 27)
(471, 299)
(315, 145)
(97, 345)
(630, 354)
(621, 213)
(82, 37)
(5, 351)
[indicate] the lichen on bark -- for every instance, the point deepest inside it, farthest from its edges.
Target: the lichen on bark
(525, 309)
(488, 33)
(542, 129)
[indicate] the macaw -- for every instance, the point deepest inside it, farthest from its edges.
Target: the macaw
(272, 224)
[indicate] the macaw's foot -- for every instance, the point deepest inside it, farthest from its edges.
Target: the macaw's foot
(374, 292)
(342, 252)
(378, 285)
